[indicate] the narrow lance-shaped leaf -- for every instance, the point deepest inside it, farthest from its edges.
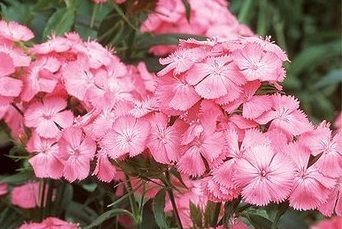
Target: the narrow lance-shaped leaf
(158, 208)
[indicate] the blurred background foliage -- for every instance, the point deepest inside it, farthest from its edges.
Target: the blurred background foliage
(309, 30)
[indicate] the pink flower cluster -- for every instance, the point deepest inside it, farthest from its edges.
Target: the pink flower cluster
(241, 134)
(207, 18)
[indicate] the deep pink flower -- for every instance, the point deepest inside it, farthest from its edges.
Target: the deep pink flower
(26, 196)
(48, 116)
(77, 150)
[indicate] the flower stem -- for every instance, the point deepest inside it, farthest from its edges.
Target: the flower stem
(173, 202)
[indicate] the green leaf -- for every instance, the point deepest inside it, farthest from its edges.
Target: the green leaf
(292, 219)
(196, 215)
(10, 218)
(334, 77)
(108, 215)
(259, 222)
(80, 213)
(60, 22)
(158, 209)
(18, 178)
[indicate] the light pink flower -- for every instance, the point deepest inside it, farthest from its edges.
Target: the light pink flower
(77, 78)
(46, 162)
(48, 116)
(128, 135)
(215, 77)
(171, 93)
(334, 202)
(181, 60)
(264, 176)
(104, 170)
(321, 142)
(285, 115)
(308, 181)
(164, 140)
(14, 31)
(77, 150)
(256, 63)
(9, 87)
(40, 78)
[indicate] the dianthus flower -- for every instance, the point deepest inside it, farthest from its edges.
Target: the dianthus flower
(48, 116)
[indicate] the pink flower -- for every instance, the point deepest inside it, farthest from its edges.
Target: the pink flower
(50, 223)
(171, 92)
(77, 78)
(264, 176)
(48, 116)
(9, 87)
(128, 135)
(104, 170)
(334, 202)
(333, 223)
(14, 31)
(252, 105)
(285, 115)
(308, 181)
(321, 142)
(46, 162)
(40, 78)
(256, 63)
(77, 150)
(26, 196)
(215, 77)
(181, 60)
(6, 64)
(164, 140)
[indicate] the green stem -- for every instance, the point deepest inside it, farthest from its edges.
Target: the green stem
(229, 209)
(133, 203)
(172, 199)
(213, 223)
(42, 199)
